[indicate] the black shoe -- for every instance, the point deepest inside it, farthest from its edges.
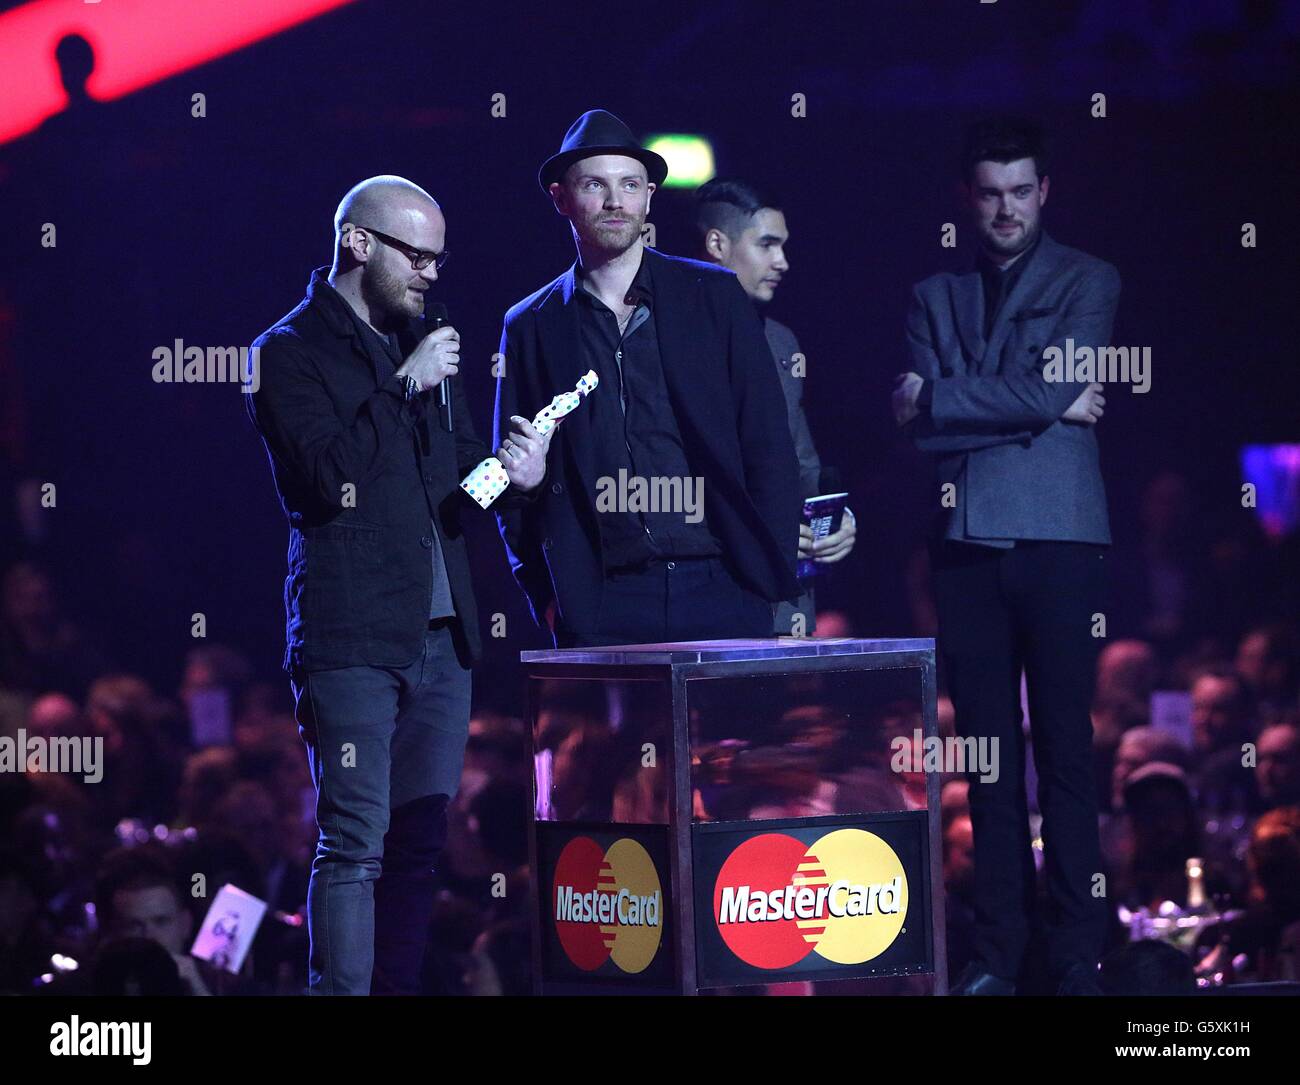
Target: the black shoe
(1079, 979)
(977, 980)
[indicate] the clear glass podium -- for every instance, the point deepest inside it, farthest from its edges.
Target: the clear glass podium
(736, 815)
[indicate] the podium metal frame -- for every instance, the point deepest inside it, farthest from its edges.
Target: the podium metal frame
(679, 663)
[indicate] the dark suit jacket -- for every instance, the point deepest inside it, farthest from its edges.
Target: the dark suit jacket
(994, 422)
(729, 408)
(360, 578)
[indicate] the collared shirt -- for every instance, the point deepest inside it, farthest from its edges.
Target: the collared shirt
(387, 356)
(636, 435)
(999, 282)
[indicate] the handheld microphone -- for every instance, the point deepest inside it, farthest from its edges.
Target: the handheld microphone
(434, 319)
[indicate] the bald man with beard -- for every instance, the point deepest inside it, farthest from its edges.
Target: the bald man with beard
(381, 619)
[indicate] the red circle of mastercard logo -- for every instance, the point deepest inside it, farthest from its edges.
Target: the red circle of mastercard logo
(843, 897)
(608, 904)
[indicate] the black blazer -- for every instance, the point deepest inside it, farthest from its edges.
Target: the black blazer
(730, 410)
(360, 577)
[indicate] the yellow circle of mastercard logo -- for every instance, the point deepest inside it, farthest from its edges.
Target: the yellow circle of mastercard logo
(844, 897)
(608, 904)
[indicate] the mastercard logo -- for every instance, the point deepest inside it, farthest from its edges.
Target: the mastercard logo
(608, 904)
(777, 899)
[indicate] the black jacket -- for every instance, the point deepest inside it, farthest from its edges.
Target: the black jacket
(360, 575)
(730, 410)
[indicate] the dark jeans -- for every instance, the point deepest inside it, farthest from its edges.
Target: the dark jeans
(385, 746)
(682, 599)
(999, 611)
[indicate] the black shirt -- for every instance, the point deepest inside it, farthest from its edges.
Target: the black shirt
(999, 282)
(386, 355)
(637, 442)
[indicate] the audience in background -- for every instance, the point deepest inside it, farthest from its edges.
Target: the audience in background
(103, 886)
(1222, 726)
(1268, 661)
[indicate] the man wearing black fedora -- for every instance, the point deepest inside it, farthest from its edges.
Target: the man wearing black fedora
(670, 510)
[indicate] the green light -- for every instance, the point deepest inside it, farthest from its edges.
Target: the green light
(689, 158)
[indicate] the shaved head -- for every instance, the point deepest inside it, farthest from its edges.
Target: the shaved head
(377, 274)
(385, 202)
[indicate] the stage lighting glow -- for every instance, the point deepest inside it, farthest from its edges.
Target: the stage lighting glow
(689, 158)
(1274, 472)
(136, 42)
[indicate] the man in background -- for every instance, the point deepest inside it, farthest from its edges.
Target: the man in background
(745, 231)
(1019, 557)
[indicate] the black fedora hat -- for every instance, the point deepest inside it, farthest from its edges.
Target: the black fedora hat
(599, 132)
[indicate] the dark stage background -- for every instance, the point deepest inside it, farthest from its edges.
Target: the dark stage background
(206, 229)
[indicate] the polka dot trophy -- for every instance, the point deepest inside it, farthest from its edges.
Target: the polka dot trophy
(488, 480)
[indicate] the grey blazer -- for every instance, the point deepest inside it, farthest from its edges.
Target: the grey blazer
(994, 420)
(784, 347)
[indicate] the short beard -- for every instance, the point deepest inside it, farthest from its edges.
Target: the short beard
(384, 293)
(604, 239)
(994, 243)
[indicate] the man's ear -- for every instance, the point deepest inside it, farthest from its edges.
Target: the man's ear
(717, 245)
(1043, 185)
(357, 245)
(558, 198)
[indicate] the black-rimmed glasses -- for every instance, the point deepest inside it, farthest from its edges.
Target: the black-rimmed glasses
(420, 258)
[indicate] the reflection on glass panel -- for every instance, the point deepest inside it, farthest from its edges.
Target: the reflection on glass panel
(774, 746)
(601, 750)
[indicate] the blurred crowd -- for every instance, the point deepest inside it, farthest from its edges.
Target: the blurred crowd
(104, 885)
(1196, 740)
(1198, 776)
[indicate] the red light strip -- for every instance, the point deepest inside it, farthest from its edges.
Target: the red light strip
(136, 42)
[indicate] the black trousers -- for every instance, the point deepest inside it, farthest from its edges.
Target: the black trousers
(679, 600)
(1000, 611)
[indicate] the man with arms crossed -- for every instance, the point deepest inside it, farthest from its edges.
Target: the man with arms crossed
(1020, 551)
